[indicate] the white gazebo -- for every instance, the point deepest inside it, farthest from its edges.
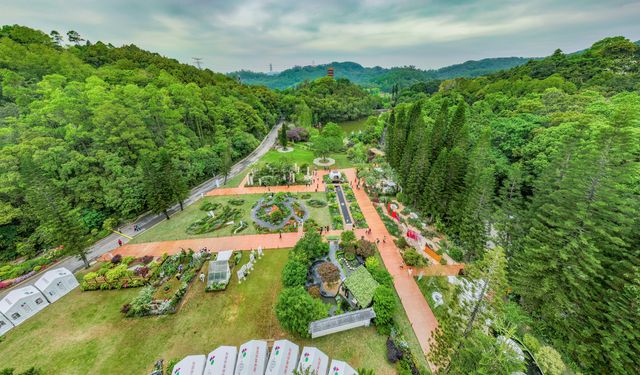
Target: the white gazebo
(341, 368)
(314, 359)
(252, 358)
(5, 324)
(283, 358)
(221, 361)
(335, 176)
(21, 304)
(190, 365)
(56, 283)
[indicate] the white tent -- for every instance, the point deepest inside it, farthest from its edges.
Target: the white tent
(224, 255)
(56, 283)
(314, 359)
(283, 358)
(5, 324)
(221, 361)
(252, 358)
(341, 368)
(21, 304)
(190, 365)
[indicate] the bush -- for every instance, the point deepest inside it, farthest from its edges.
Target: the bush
(412, 258)
(531, 342)
(294, 273)
(365, 248)
(316, 203)
(394, 353)
(116, 259)
(381, 275)
(384, 305)
(146, 259)
(372, 262)
(456, 253)
(443, 261)
(236, 202)
(329, 272)
(314, 291)
(295, 309)
(550, 361)
(347, 237)
(402, 243)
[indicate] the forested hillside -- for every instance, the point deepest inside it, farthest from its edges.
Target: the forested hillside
(544, 161)
(377, 77)
(90, 132)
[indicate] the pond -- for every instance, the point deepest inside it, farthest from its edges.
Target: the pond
(355, 125)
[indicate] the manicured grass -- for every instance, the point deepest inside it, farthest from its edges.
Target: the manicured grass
(175, 228)
(235, 181)
(428, 285)
(302, 154)
(85, 333)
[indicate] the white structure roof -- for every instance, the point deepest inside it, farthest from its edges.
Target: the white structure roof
(252, 358)
(56, 283)
(5, 324)
(224, 255)
(314, 359)
(219, 272)
(20, 304)
(335, 175)
(341, 368)
(283, 358)
(190, 365)
(221, 361)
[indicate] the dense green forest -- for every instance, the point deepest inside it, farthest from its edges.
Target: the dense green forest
(542, 160)
(377, 77)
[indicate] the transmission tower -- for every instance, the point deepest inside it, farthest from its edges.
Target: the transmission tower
(197, 61)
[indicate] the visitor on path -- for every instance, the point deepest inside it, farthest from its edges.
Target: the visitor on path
(119, 242)
(384, 240)
(202, 276)
(280, 234)
(377, 240)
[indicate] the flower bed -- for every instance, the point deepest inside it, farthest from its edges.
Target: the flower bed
(278, 174)
(220, 219)
(168, 285)
(11, 274)
(121, 273)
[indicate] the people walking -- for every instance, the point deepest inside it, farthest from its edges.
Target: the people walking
(119, 242)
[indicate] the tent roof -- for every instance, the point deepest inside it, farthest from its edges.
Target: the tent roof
(221, 361)
(252, 357)
(312, 356)
(190, 365)
(224, 255)
(362, 285)
(16, 295)
(283, 359)
(341, 368)
(50, 276)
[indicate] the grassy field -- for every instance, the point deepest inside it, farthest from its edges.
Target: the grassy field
(85, 333)
(353, 126)
(302, 154)
(175, 228)
(428, 285)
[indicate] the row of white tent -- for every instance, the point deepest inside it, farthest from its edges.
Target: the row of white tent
(252, 359)
(22, 303)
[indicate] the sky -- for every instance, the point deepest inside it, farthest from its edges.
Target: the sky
(231, 35)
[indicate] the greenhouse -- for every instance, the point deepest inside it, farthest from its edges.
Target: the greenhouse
(190, 365)
(219, 272)
(252, 358)
(21, 304)
(313, 359)
(221, 361)
(283, 358)
(359, 286)
(5, 324)
(342, 322)
(56, 283)
(341, 368)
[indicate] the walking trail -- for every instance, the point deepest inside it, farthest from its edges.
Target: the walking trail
(420, 315)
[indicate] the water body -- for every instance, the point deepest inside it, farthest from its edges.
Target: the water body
(353, 126)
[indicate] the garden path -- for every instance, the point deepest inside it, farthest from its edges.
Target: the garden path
(415, 305)
(316, 185)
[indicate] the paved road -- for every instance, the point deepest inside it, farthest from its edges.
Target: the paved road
(343, 205)
(148, 220)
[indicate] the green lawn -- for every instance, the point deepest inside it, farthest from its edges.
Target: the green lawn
(353, 126)
(428, 285)
(175, 228)
(302, 154)
(84, 332)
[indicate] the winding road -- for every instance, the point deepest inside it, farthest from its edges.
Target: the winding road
(148, 220)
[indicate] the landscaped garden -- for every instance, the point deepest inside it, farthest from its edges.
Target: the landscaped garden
(86, 332)
(119, 273)
(279, 173)
(279, 212)
(177, 227)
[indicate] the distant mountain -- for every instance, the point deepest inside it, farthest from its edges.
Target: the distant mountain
(383, 78)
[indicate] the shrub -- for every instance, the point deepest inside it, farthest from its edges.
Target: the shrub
(412, 258)
(347, 237)
(37, 268)
(381, 275)
(329, 272)
(550, 361)
(372, 262)
(402, 243)
(531, 342)
(306, 196)
(295, 309)
(294, 273)
(116, 259)
(456, 253)
(384, 305)
(443, 261)
(146, 259)
(394, 353)
(365, 248)
(316, 203)
(128, 260)
(141, 304)
(236, 202)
